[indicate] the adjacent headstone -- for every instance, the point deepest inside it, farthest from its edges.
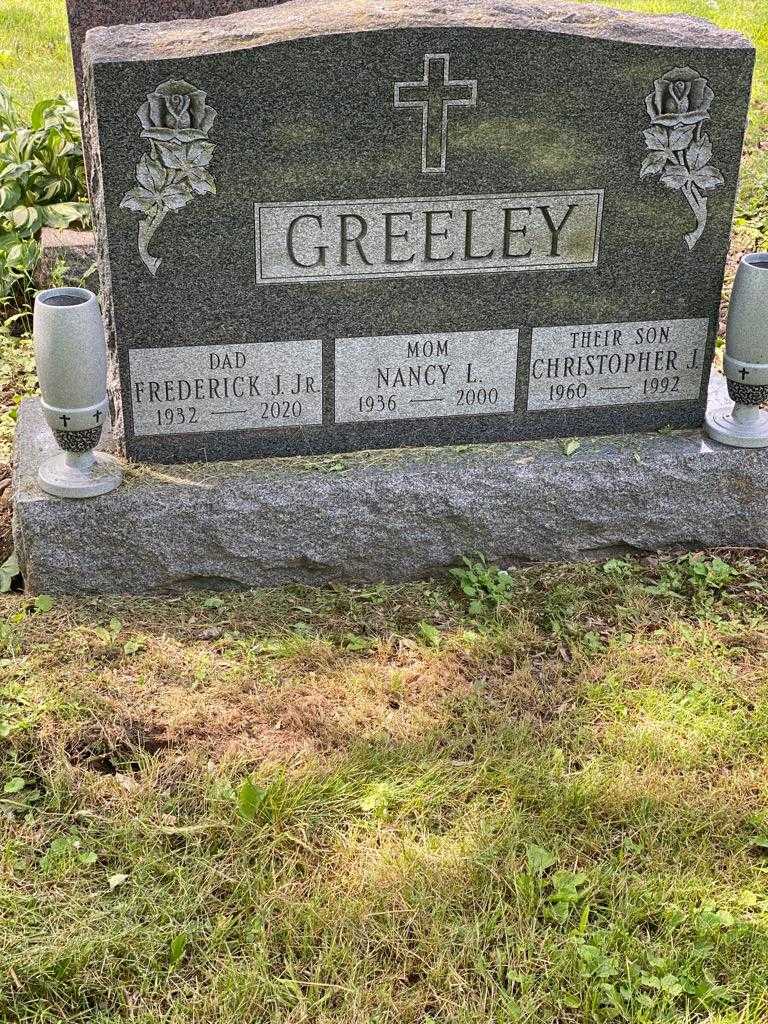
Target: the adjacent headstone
(328, 226)
(87, 14)
(67, 257)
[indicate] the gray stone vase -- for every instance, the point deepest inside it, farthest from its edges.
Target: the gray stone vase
(70, 351)
(746, 359)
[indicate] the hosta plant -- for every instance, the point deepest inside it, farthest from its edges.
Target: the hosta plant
(42, 184)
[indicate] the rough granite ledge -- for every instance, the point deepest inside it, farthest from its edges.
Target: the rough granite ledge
(391, 515)
(299, 18)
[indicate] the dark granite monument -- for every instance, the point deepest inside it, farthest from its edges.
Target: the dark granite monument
(326, 227)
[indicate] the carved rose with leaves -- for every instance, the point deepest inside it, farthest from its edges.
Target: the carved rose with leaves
(176, 121)
(680, 148)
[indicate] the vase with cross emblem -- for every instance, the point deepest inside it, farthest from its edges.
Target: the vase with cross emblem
(71, 356)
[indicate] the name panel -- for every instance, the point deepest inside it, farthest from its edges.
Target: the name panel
(413, 376)
(617, 364)
(198, 388)
(475, 234)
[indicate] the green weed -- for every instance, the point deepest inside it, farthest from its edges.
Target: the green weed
(486, 586)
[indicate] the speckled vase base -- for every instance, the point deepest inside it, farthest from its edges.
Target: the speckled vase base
(746, 426)
(69, 475)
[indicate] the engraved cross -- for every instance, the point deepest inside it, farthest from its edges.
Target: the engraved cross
(435, 94)
(65, 419)
(744, 374)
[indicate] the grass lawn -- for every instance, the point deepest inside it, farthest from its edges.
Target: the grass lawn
(368, 805)
(35, 61)
(383, 805)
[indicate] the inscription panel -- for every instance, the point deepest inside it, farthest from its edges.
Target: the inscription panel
(412, 376)
(617, 364)
(375, 238)
(198, 388)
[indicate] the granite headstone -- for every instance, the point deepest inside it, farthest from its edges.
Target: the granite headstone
(328, 226)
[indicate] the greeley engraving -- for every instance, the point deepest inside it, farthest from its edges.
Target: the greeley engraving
(434, 94)
(368, 238)
(176, 121)
(681, 150)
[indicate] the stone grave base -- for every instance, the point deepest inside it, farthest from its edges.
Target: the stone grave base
(392, 515)
(68, 256)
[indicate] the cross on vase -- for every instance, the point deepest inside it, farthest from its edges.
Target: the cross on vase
(744, 374)
(434, 95)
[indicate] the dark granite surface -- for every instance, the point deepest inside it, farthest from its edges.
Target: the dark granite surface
(303, 118)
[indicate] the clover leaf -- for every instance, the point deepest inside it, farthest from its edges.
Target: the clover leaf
(707, 178)
(669, 141)
(141, 200)
(676, 177)
(151, 174)
(700, 153)
(175, 196)
(187, 157)
(201, 182)
(654, 163)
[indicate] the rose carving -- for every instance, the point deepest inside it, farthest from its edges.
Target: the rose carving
(176, 112)
(680, 149)
(681, 96)
(176, 120)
